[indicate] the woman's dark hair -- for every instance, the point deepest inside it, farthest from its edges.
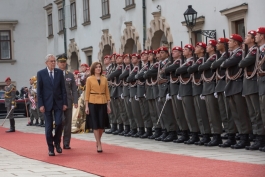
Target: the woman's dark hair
(93, 67)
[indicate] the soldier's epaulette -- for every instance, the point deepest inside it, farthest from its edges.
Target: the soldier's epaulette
(189, 63)
(254, 51)
(239, 53)
(213, 58)
(119, 67)
(199, 61)
(156, 65)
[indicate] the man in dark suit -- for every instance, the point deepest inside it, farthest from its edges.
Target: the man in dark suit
(71, 91)
(52, 101)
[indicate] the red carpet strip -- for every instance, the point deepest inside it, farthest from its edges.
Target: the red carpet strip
(118, 161)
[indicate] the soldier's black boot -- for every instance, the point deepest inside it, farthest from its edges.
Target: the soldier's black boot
(36, 123)
(158, 133)
(12, 126)
(41, 123)
(132, 132)
(184, 137)
(230, 141)
(258, 143)
(243, 142)
(140, 132)
(252, 137)
(205, 139)
(148, 133)
(194, 138)
(163, 136)
(121, 129)
(113, 129)
(30, 123)
(126, 131)
(262, 149)
(225, 136)
(215, 141)
(171, 136)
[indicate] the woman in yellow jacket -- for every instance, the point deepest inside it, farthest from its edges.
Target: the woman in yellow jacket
(97, 102)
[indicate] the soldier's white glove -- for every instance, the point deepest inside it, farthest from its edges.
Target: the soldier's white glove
(243, 95)
(136, 99)
(159, 99)
(130, 100)
(144, 96)
(122, 96)
(12, 107)
(34, 90)
(224, 93)
(202, 97)
(215, 94)
(178, 97)
(168, 97)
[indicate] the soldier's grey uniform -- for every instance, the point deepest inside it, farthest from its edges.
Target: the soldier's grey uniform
(34, 111)
(10, 100)
(72, 97)
(208, 90)
(111, 115)
(199, 104)
(185, 93)
(233, 92)
(225, 111)
(261, 80)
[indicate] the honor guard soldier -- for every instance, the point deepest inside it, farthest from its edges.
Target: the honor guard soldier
(109, 66)
(133, 96)
(126, 96)
(10, 102)
(141, 95)
(185, 93)
(225, 112)
(233, 91)
(116, 91)
(260, 40)
(174, 90)
(199, 102)
(208, 77)
(250, 90)
(167, 114)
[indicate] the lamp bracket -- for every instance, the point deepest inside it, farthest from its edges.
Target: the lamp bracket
(209, 33)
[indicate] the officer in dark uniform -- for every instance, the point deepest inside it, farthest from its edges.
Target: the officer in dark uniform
(185, 93)
(116, 93)
(174, 90)
(233, 91)
(126, 96)
(208, 77)
(260, 39)
(136, 59)
(225, 112)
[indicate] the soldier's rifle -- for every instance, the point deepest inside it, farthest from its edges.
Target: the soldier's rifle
(193, 52)
(226, 45)
(182, 56)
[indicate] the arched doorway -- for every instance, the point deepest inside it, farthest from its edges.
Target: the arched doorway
(106, 46)
(74, 62)
(130, 46)
(159, 39)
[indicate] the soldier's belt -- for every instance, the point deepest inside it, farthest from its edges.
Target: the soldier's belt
(197, 80)
(174, 78)
(162, 81)
(249, 73)
(261, 74)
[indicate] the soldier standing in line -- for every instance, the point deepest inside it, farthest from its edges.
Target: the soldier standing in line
(211, 102)
(167, 114)
(126, 96)
(10, 103)
(71, 92)
(225, 112)
(174, 90)
(116, 91)
(133, 93)
(250, 90)
(233, 91)
(260, 39)
(141, 95)
(185, 93)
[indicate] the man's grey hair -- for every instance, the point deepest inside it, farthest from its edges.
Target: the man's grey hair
(48, 56)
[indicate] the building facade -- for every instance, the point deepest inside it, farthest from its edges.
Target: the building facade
(95, 28)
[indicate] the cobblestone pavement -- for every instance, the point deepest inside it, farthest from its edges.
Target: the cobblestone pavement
(228, 154)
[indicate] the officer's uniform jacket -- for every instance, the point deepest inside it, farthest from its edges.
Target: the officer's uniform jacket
(163, 79)
(196, 77)
(185, 78)
(151, 77)
(261, 70)
(116, 90)
(126, 86)
(249, 63)
(141, 81)
(71, 89)
(234, 74)
(220, 73)
(208, 75)
(132, 81)
(32, 97)
(173, 77)
(10, 95)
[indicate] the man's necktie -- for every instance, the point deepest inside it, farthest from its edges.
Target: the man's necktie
(51, 77)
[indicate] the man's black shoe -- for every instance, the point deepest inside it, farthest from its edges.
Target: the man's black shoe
(66, 147)
(43, 125)
(58, 148)
(51, 153)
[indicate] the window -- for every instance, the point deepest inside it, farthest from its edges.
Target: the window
(86, 11)
(5, 44)
(60, 18)
(129, 2)
(50, 31)
(197, 37)
(105, 7)
(240, 27)
(89, 60)
(73, 15)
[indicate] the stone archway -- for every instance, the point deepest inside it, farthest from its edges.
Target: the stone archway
(158, 28)
(73, 53)
(130, 40)
(106, 41)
